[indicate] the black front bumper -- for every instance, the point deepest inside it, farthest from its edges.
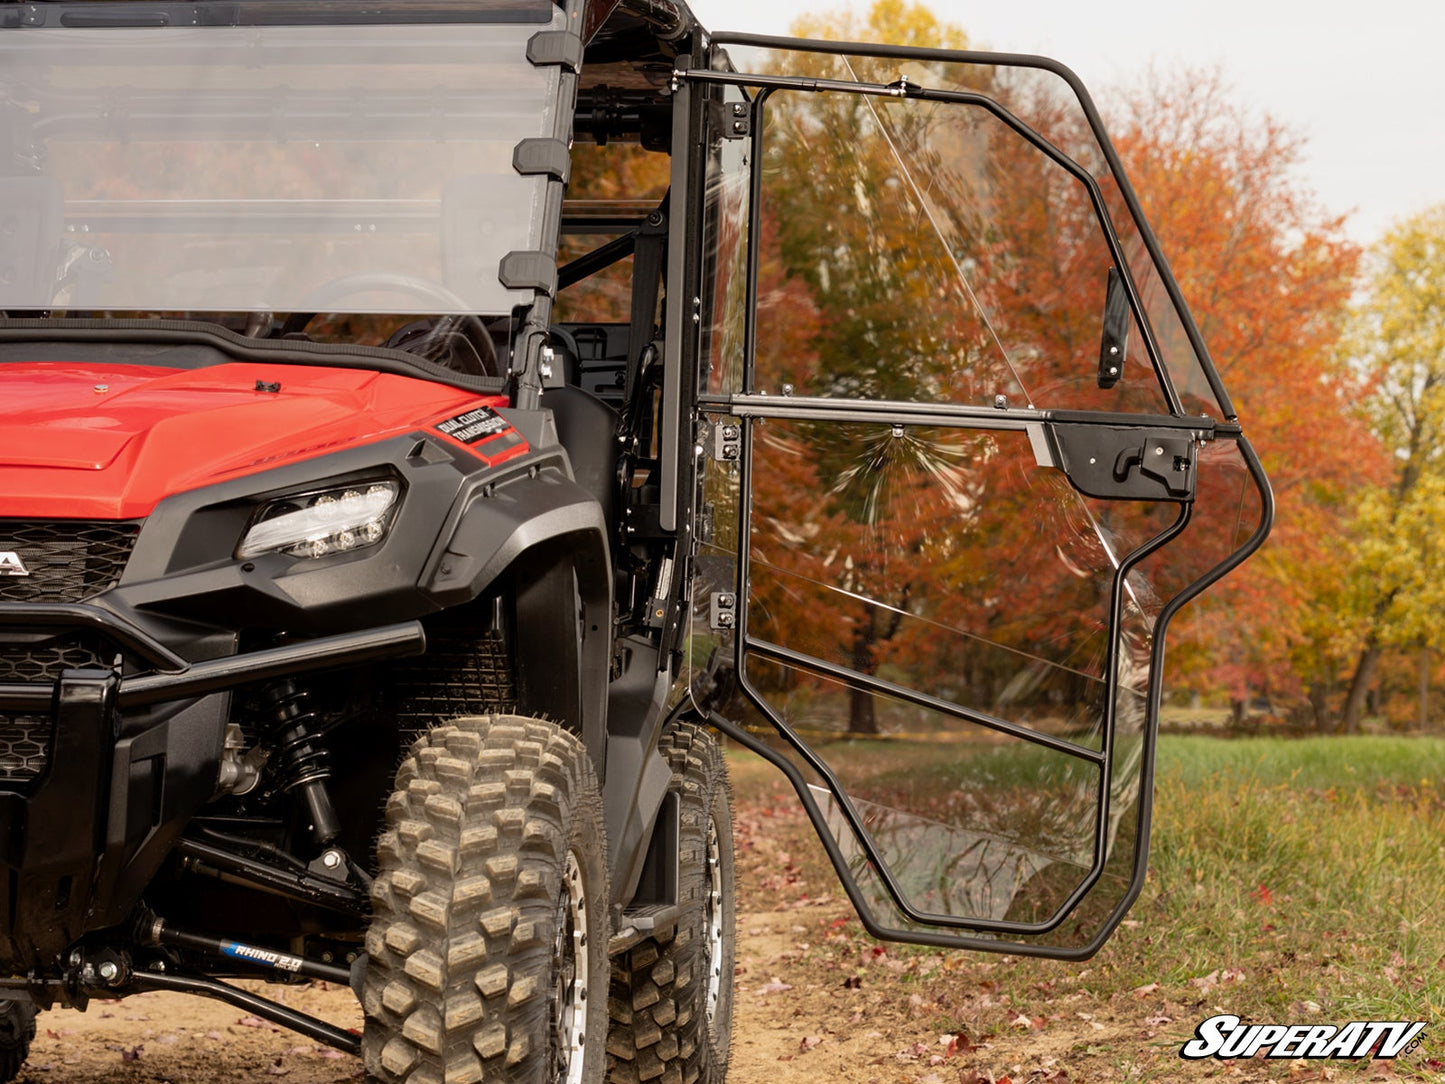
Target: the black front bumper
(80, 841)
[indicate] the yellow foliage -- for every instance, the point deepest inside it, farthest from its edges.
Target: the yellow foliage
(1397, 337)
(893, 22)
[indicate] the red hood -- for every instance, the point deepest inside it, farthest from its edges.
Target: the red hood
(111, 442)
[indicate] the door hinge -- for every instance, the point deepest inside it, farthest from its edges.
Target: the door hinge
(727, 442)
(722, 611)
(732, 120)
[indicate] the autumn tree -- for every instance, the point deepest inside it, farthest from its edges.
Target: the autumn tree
(1268, 274)
(912, 250)
(861, 278)
(944, 258)
(1396, 587)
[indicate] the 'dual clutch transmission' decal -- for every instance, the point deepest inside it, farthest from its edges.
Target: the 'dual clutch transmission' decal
(485, 432)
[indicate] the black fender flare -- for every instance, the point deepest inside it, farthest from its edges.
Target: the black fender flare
(545, 538)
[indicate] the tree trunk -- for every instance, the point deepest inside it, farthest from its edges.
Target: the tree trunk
(1422, 702)
(1320, 703)
(862, 715)
(862, 719)
(1359, 685)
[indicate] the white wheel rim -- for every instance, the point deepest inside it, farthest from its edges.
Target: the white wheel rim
(713, 929)
(570, 964)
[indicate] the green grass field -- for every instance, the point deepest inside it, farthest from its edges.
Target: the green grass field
(1318, 862)
(1290, 880)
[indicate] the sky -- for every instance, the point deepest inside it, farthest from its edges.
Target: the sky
(1362, 84)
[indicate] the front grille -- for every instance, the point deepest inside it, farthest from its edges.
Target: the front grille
(67, 560)
(62, 561)
(42, 657)
(24, 746)
(25, 739)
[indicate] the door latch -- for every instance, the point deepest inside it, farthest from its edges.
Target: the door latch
(1126, 463)
(1168, 459)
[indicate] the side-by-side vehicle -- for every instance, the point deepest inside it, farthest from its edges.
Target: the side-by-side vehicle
(426, 425)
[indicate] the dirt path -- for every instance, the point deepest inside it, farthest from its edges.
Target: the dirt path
(798, 1020)
(188, 1040)
(817, 1002)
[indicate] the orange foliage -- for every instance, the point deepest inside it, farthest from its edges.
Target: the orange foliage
(1267, 274)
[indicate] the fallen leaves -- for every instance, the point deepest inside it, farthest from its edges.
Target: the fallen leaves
(1217, 977)
(956, 1044)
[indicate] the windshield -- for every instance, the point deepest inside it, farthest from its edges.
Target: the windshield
(271, 168)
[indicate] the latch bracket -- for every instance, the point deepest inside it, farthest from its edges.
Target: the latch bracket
(1126, 462)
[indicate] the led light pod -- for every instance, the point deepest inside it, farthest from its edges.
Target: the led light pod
(319, 524)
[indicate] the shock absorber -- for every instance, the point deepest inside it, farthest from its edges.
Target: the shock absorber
(302, 761)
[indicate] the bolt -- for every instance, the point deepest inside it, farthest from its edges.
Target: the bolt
(75, 958)
(1158, 451)
(1113, 370)
(331, 859)
(787, 389)
(1000, 402)
(108, 971)
(101, 389)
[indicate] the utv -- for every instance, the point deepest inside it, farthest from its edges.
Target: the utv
(424, 423)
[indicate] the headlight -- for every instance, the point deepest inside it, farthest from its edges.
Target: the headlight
(329, 521)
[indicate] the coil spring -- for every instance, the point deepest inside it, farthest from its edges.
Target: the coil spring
(299, 757)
